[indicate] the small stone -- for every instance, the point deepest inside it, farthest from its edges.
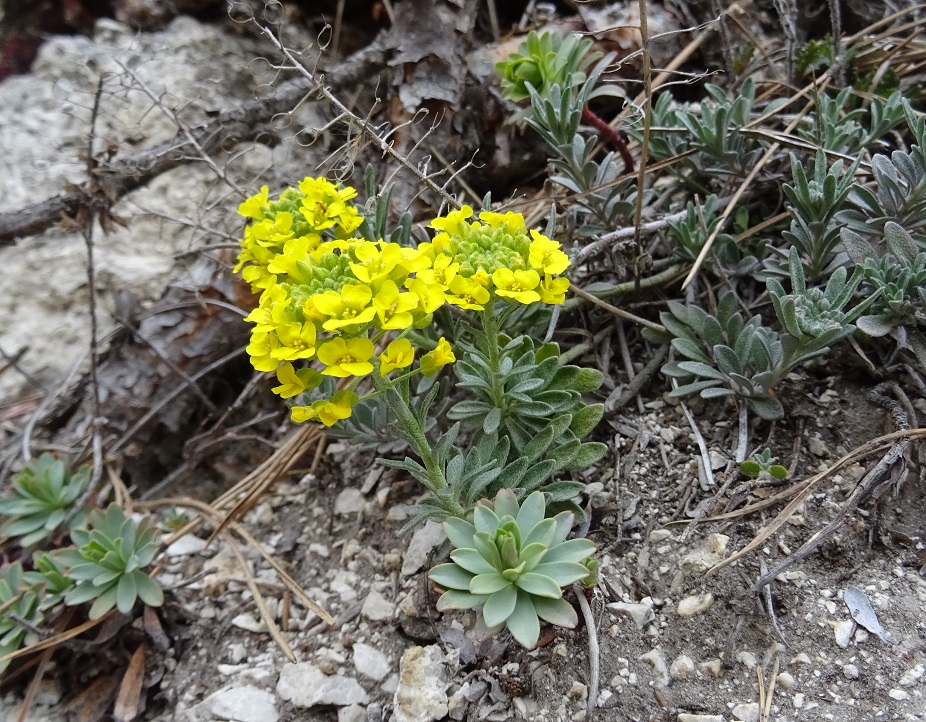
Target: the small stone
(681, 667)
(377, 608)
(305, 685)
(712, 668)
(801, 658)
(247, 622)
(642, 613)
(798, 700)
(422, 692)
(709, 553)
(49, 692)
(370, 662)
(185, 546)
(349, 501)
(237, 653)
(843, 632)
(818, 447)
(898, 694)
(578, 691)
(657, 661)
(786, 680)
(685, 717)
(241, 704)
(423, 542)
(747, 659)
(319, 549)
(850, 671)
(912, 676)
(352, 713)
(658, 535)
(718, 460)
(747, 712)
(696, 604)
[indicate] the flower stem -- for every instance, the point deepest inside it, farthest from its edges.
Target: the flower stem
(609, 136)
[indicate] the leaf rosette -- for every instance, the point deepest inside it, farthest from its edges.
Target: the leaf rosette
(512, 562)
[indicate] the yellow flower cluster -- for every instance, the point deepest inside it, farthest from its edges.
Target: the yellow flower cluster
(327, 298)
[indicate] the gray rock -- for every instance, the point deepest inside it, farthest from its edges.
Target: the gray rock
(185, 546)
(370, 662)
(657, 661)
(423, 682)
(642, 613)
(681, 667)
(422, 544)
(748, 712)
(349, 501)
(696, 604)
(240, 704)
(352, 713)
(305, 685)
(377, 608)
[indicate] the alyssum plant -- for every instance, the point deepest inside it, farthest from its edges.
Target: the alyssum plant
(359, 311)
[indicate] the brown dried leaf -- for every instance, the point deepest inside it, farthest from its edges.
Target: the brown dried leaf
(126, 708)
(93, 702)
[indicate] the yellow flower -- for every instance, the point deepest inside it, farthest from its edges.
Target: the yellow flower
(262, 344)
(393, 308)
(453, 221)
(398, 355)
(339, 407)
(514, 222)
(328, 411)
(290, 383)
(430, 295)
(432, 362)
(349, 307)
(547, 255)
(346, 358)
(297, 340)
(442, 271)
(377, 265)
(274, 231)
(553, 290)
(467, 293)
(518, 285)
(254, 206)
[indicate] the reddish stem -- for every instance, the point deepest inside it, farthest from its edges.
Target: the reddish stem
(609, 136)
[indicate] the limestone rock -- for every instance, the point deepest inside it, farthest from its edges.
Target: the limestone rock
(305, 685)
(239, 704)
(422, 544)
(423, 681)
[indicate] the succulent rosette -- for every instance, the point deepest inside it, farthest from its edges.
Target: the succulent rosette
(513, 563)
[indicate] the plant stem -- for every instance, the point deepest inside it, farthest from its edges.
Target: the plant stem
(490, 328)
(609, 136)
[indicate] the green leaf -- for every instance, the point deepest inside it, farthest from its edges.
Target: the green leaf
(556, 611)
(539, 585)
(492, 420)
(500, 605)
(450, 576)
(459, 532)
(750, 468)
(766, 407)
(523, 622)
(103, 603)
(561, 572)
(457, 599)
(488, 583)
(588, 454)
(585, 419)
(531, 513)
(588, 380)
(471, 561)
(574, 550)
(126, 593)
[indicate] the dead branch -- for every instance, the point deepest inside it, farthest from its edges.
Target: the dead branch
(124, 175)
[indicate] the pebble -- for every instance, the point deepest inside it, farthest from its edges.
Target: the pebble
(818, 447)
(377, 608)
(912, 676)
(898, 694)
(248, 623)
(843, 632)
(349, 501)
(696, 604)
(802, 658)
(850, 671)
(657, 661)
(642, 613)
(370, 662)
(305, 685)
(707, 554)
(185, 546)
(578, 691)
(681, 667)
(748, 712)
(658, 535)
(786, 680)
(747, 659)
(713, 668)
(352, 713)
(798, 700)
(241, 704)
(237, 653)
(421, 545)
(685, 717)
(422, 692)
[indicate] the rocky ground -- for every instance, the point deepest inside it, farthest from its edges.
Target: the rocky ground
(674, 644)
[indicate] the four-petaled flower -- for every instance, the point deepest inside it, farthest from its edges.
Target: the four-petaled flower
(348, 308)
(434, 361)
(346, 358)
(398, 355)
(518, 285)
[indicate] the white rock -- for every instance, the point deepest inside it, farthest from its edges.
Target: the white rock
(305, 685)
(850, 671)
(349, 501)
(237, 653)
(798, 700)
(370, 662)
(421, 545)
(681, 667)
(712, 668)
(843, 632)
(747, 659)
(249, 623)
(817, 447)
(912, 676)
(423, 680)
(696, 604)
(657, 661)
(241, 704)
(747, 712)
(185, 546)
(352, 713)
(377, 608)
(718, 460)
(685, 717)
(786, 680)
(898, 694)
(801, 658)
(709, 553)
(658, 535)
(642, 613)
